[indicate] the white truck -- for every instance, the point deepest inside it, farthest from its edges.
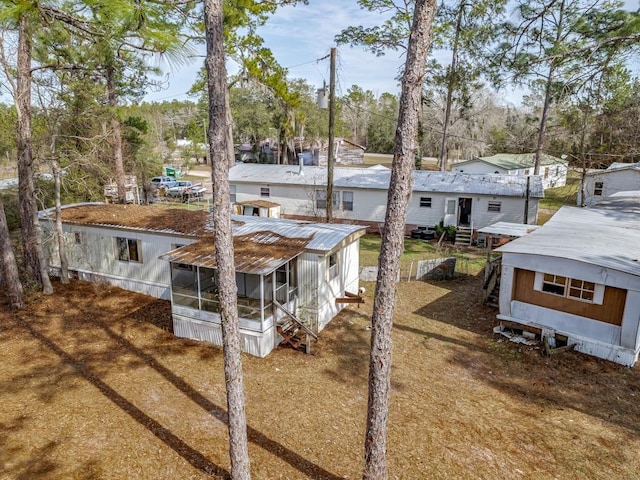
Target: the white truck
(186, 190)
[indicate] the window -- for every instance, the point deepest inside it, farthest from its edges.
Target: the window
(347, 201)
(526, 172)
(425, 202)
(128, 250)
(546, 172)
(574, 289)
(581, 290)
(264, 192)
(77, 238)
(232, 193)
(336, 200)
(554, 284)
(494, 207)
(321, 199)
(598, 188)
(333, 265)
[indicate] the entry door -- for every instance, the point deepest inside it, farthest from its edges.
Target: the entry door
(451, 212)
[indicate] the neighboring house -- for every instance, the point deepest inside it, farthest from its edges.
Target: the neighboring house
(576, 280)
(360, 195)
(553, 170)
(345, 152)
(284, 269)
(600, 184)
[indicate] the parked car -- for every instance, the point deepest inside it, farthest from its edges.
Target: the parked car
(161, 181)
(185, 189)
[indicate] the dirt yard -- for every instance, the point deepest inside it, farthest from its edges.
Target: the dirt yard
(94, 386)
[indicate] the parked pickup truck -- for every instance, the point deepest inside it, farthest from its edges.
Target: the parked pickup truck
(185, 189)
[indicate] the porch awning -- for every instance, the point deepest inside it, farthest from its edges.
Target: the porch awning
(507, 229)
(257, 253)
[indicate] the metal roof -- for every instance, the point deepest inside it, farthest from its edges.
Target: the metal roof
(509, 229)
(258, 253)
(606, 238)
(615, 167)
(516, 161)
(368, 178)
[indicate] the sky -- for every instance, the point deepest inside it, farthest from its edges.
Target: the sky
(300, 36)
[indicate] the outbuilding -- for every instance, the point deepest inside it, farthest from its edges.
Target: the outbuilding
(599, 185)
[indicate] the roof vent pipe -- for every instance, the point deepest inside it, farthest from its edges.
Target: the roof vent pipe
(301, 164)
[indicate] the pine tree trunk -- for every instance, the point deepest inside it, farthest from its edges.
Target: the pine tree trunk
(227, 290)
(30, 228)
(8, 266)
(393, 241)
(62, 250)
(116, 132)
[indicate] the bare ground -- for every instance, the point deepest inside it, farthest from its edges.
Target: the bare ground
(93, 385)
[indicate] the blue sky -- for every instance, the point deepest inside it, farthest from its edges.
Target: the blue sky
(299, 36)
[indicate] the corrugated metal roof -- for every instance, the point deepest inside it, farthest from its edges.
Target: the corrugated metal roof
(600, 237)
(367, 178)
(516, 161)
(257, 253)
(614, 167)
(508, 229)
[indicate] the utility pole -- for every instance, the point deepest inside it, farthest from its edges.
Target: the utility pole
(332, 113)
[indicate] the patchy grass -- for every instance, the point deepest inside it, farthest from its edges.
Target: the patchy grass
(470, 260)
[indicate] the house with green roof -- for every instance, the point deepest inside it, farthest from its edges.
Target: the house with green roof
(553, 170)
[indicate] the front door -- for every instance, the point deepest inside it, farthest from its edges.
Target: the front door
(451, 212)
(464, 211)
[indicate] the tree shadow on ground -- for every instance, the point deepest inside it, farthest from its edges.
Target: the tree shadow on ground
(571, 380)
(109, 322)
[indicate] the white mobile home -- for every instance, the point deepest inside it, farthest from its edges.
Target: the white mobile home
(553, 170)
(599, 185)
(577, 278)
(360, 195)
(284, 268)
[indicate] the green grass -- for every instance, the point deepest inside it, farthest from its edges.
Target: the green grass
(554, 198)
(469, 261)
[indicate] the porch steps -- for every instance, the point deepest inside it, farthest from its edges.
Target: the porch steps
(294, 332)
(463, 236)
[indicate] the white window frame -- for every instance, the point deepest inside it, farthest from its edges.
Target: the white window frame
(598, 187)
(265, 191)
(347, 205)
(598, 291)
(332, 265)
(232, 193)
(321, 199)
(130, 242)
(425, 202)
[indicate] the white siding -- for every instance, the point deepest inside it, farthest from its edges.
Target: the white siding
(96, 256)
(477, 167)
(370, 205)
(613, 181)
(555, 176)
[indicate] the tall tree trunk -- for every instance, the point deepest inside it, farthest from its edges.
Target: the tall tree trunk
(547, 97)
(8, 266)
(393, 241)
(223, 238)
(62, 249)
(116, 132)
(30, 228)
(451, 84)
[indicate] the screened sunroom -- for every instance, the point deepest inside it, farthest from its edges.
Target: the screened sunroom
(263, 273)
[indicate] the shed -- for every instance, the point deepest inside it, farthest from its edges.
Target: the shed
(599, 185)
(285, 269)
(577, 279)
